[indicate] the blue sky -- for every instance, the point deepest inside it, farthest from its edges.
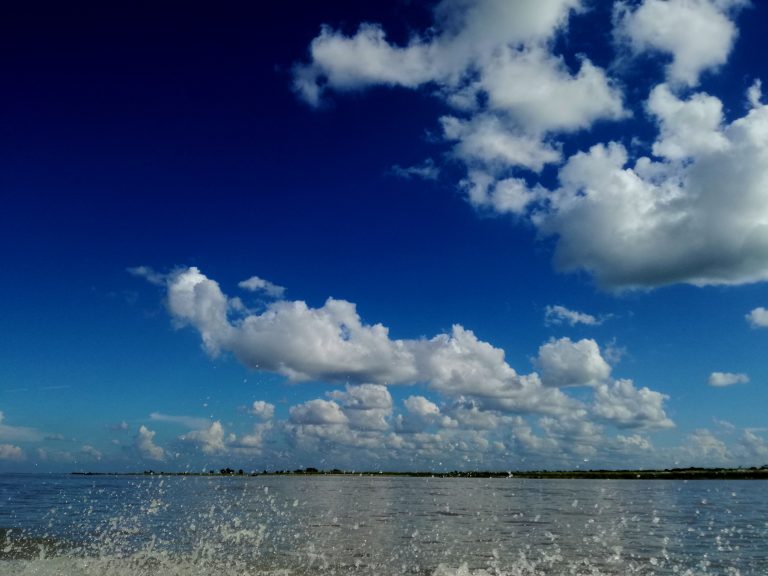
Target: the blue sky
(384, 235)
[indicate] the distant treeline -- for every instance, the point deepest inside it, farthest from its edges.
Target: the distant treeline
(753, 473)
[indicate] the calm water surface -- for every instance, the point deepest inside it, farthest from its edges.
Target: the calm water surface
(200, 526)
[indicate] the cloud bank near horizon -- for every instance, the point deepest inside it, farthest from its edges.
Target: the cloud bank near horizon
(477, 399)
(463, 402)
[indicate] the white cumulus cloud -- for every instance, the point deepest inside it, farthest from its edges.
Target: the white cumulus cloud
(210, 440)
(420, 413)
(566, 363)
(687, 128)
(693, 210)
(506, 196)
(697, 34)
(647, 223)
(318, 412)
(367, 406)
(758, 318)
(487, 141)
(626, 406)
(11, 452)
(91, 452)
(332, 343)
(754, 445)
(722, 379)
(555, 315)
(703, 446)
(479, 391)
(186, 421)
(262, 410)
(490, 60)
(145, 444)
(10, 433)
(427, 170)
(540, 94)
(256, 284)
(253, 442)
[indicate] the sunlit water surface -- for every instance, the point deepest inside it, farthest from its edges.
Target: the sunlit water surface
(195, 526)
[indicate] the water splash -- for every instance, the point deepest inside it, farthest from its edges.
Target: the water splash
(382, 527)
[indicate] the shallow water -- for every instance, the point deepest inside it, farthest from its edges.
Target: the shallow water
(199, 526)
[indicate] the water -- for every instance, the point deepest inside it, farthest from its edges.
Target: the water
(247, 526)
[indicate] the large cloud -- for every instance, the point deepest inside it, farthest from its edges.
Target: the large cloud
(694, 212)
(492, 62)
(468, 34)
(333, 344)
(537, 91)
(478, 412)
(651, 223)
(329, 343)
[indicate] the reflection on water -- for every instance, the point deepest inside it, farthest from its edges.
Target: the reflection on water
(380, 525)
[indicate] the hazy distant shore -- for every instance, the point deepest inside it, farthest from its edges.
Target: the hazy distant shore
(666, 474)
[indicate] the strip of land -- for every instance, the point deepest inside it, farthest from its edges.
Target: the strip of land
(667, 474)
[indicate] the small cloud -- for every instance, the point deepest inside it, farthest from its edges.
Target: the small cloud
(566, 363)
(262, 410)
(211, 440)
(61, 456)
(613, 353)
(633, 443)
(556, 315)
(725, 425)
(119, 427)
(256, 284)
(149, 275)
(426, 171)
(627, 406)
(18, 433)
(755, 94)
(758, 318)
(754, 445)
(146, 446)
(186, 421)
(91, 452)
(318, 413)
(11, 452)
(722, 379)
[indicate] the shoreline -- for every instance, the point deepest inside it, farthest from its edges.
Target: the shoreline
(666, 474)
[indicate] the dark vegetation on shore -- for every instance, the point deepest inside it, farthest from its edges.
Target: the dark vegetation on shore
(753, 473)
